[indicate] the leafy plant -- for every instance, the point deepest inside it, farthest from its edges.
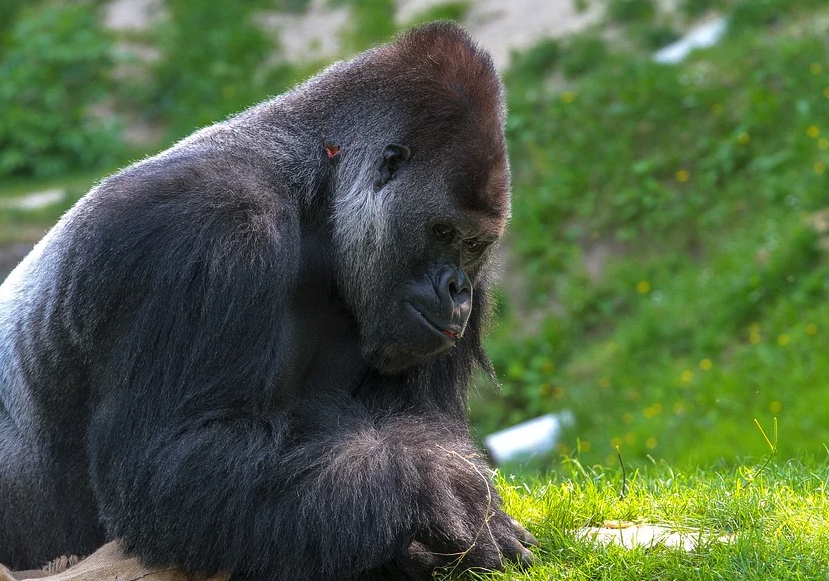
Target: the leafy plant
(207, 72)
(630, 10)
(667, 219)
(371, 22)
(581, 54)
(456, 11)
(54, 67)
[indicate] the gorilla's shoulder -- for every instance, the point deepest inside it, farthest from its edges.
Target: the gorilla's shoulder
(193, 188)
(186, 206)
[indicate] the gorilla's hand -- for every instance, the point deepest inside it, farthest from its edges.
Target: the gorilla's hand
(466, 528)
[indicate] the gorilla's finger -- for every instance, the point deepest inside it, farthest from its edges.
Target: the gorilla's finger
(513, 551)
(525, 556)
(422, 559)
(525, 536)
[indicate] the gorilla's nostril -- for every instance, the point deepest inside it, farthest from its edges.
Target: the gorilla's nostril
(453, 284)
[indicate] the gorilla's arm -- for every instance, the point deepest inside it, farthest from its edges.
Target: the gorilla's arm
(240, 492)
(293, 501)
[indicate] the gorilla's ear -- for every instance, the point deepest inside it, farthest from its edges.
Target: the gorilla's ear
(392, 159)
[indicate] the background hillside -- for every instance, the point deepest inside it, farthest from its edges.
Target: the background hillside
(666, 274)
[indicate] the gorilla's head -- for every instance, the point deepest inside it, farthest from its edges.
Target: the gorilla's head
(421, 196)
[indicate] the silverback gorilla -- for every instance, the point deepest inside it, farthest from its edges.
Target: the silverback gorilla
(249, 353)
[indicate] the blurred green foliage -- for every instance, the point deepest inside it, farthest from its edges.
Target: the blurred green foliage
(582, 53)
(537, 61)
(55, 63)
(630, 10)
(672, 223)
(207, 72)
(370, 22)
(455, 11)
(750, 14)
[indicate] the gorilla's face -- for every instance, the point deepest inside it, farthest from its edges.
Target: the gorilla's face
(421, 249)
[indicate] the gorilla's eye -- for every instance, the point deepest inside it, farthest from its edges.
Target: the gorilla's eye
(442, 232)
(473, 246)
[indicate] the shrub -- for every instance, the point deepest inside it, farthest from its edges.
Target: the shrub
(207, 72)
(630, 10)
(54, 66)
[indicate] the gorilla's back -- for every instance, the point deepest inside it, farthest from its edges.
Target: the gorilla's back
(32, 482)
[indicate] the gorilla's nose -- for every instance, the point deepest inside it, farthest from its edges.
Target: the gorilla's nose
(455, 292)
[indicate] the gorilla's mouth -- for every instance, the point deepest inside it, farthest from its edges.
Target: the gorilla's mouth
(446, 334)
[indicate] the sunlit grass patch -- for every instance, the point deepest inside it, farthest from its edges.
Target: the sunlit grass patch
(754, 522)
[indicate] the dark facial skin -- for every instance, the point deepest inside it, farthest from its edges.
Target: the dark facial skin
(249, 354)
(437, 299)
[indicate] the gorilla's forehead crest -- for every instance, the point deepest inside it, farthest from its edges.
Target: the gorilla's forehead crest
(454, 96)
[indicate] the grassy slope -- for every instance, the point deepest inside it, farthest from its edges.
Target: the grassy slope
(705, 186)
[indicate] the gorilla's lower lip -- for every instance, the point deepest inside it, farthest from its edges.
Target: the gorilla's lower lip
(445, 333)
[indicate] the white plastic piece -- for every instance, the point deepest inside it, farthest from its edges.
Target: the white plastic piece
(531, 437)
(701, 37)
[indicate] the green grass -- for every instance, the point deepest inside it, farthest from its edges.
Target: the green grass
(777, 515)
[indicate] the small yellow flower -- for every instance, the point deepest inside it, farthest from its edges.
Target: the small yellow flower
(643, 287)
(615, 442)
(743, 138)
(754, 338)
(547, 366)
(811, 329)
(558, 392)
(705, 364)
(782, 340)
(813, 131)
(716, 108)
(823, 143)
(627, 418)
(568, 96)
(610, 459)
(815, 68)
(584, 446)
(650, 443)
(653, 410)
(683, 175)
(826, 92)
(775, 406)
(819, 167)
(604, 382)
(544, 389)
(630, 438)
(687, 376)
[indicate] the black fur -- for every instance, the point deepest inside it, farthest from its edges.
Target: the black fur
(250, 353)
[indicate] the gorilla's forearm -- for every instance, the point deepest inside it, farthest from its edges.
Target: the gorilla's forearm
(292, 502)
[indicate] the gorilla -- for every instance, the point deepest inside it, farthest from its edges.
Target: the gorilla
(250, 353)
